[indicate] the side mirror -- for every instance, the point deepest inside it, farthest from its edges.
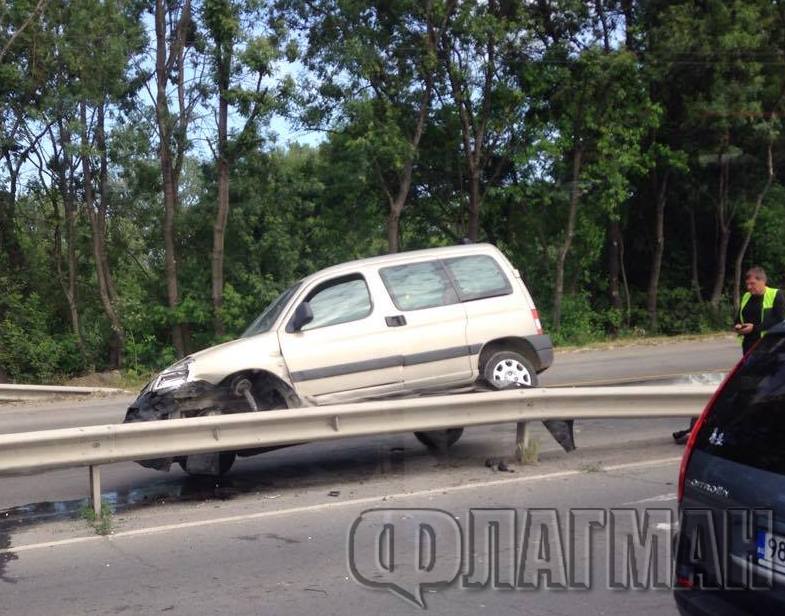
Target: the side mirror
(302, 316)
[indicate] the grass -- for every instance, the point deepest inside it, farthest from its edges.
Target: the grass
(103, 523)
(531, 454)
(593, 467)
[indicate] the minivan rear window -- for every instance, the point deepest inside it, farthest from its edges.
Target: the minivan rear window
(477, 276)
(747, 422)
(418, 285)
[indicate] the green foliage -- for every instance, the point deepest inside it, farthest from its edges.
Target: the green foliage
(103, 524)
(645, 90)
(581, 322)
(28, 351)
(680, 313)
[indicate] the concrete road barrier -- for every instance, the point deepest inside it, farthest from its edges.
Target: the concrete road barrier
(16, 393)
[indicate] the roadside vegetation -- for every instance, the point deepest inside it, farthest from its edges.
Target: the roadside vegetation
(103, 523)
(627, 156)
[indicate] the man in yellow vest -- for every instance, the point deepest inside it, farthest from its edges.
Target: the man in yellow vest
(761, 308)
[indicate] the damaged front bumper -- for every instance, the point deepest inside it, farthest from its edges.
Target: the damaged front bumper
(192, 399)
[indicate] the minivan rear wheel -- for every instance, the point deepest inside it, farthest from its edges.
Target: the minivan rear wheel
(509, 368)
(439, 439)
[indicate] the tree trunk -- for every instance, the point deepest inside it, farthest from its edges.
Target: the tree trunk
(219, 228)
(656, 257)
(474, 203)
(694, 280)
(393, 229)
(164, 63)
(97, 242)
(405, 179)
(8, 239)
(751, 227)
(118, 334)
(558, 289)
(614, 240)
(724, 226)
(65, 181)
(474, 116)
(625, 283)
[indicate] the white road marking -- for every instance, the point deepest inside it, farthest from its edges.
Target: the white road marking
(327, 506)
(662, 498)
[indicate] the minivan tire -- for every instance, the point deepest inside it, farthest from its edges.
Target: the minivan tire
(512, 365)
(439, 439)
(225, 462)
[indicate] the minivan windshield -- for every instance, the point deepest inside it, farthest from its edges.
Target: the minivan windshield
(265, 321)
(747, 422)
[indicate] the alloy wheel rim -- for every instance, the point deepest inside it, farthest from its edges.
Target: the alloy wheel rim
(509, 371)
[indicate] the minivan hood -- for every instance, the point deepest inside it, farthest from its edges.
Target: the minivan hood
(260, 352)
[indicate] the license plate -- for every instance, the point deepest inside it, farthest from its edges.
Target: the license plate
(771, 550)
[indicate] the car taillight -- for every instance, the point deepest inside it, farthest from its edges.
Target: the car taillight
(685, 459)
(537, 322)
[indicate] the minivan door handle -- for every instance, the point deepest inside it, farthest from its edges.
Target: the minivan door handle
(395, 321)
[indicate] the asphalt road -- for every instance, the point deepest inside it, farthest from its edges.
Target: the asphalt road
(271, 537)
(261, 555)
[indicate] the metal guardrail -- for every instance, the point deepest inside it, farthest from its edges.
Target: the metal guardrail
(14, 393)
(96, 445)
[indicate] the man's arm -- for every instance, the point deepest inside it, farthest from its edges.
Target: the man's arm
(776, 314)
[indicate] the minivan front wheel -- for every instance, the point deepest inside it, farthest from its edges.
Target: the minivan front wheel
(509, 368)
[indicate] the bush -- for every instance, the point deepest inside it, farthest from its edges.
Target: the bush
(678, 312)
(580, 322)
(28, 352)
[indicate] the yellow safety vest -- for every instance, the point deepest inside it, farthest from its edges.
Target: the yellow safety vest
(768, 303)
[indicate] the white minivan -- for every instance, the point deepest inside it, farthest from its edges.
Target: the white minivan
(397, 325)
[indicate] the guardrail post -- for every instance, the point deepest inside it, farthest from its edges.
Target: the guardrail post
(95, 489)
(521, 440)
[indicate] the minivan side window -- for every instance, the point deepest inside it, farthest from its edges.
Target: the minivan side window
(477, 276)
(747, 422)
(418, 285)
(339, 300)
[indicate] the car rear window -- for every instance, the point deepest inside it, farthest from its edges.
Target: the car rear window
(477, 276)
(419, 285)
(747, 422)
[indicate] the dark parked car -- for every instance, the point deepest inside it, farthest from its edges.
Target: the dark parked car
(730, 550)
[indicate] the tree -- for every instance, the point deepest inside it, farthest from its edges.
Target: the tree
(174, 38)
(99, 59)
(238, 54)
(600, 114)
(24, 62)
(715, 46)
(376, 64)
(473, 45)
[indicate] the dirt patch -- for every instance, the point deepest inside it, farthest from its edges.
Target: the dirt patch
(113, 379)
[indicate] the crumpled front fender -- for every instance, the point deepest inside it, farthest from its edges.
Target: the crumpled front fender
(190, 400)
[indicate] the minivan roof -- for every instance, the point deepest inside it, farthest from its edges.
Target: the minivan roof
(399, 257)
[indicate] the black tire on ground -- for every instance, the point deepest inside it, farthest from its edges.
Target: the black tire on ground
(225, 462)
(439, 439)
(506, 369)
